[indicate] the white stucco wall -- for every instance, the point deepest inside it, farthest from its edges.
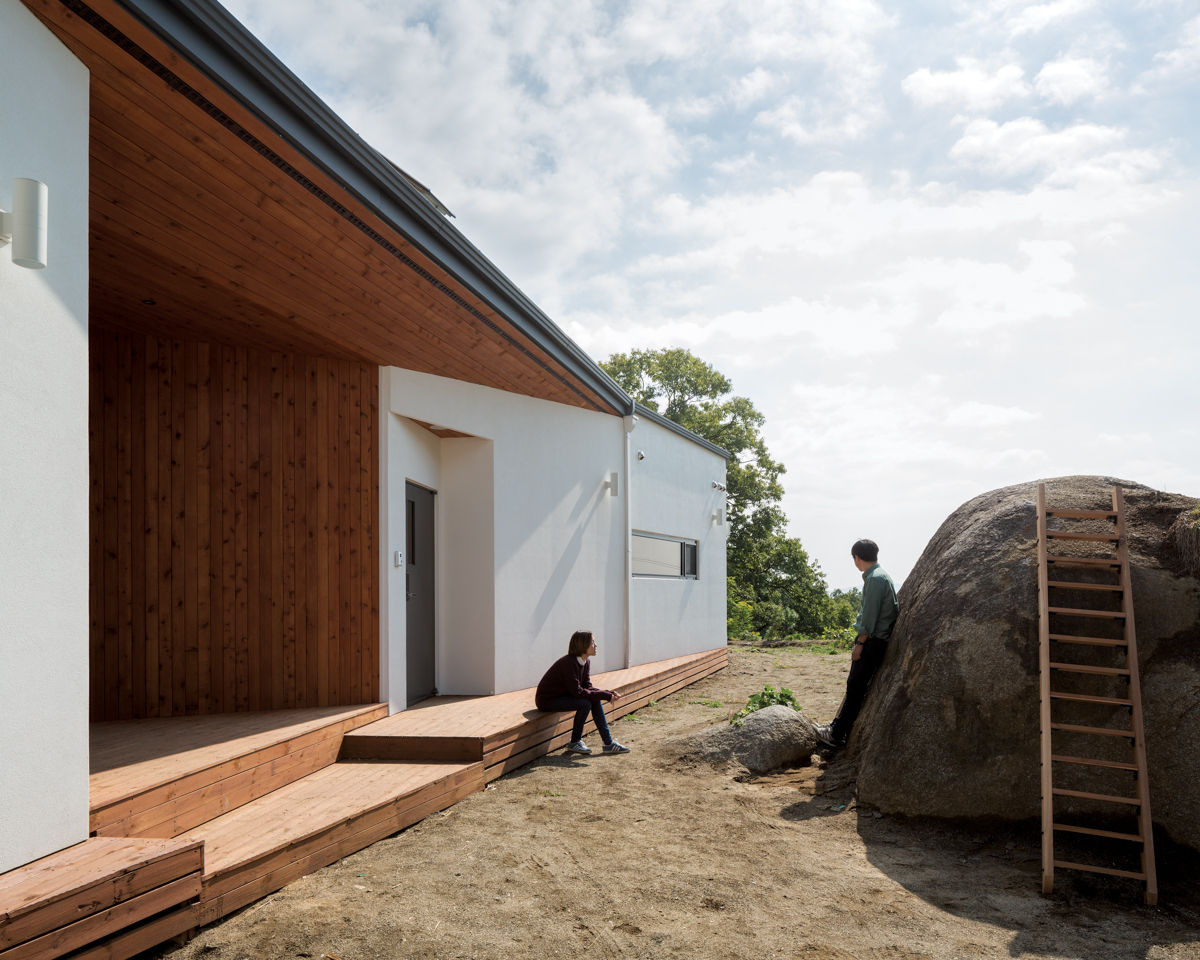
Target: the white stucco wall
(673, 495)
(43, 453)
(530, 543)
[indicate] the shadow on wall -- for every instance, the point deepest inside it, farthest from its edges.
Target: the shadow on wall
(565, 563)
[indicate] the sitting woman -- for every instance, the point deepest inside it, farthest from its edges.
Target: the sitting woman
(567, 686)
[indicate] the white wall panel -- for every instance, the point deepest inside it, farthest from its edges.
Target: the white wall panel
(43, 453)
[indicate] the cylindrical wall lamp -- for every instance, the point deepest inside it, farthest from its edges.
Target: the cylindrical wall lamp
(27, 226)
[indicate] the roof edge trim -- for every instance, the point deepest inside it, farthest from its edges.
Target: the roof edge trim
(642, 410)
(214, 41)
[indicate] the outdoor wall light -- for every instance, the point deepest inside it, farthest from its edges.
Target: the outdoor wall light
(26, 226)
(718, 486)
(641, 454)
(719, 517)
(611, 483)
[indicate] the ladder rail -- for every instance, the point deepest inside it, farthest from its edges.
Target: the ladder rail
(1145, 821)
(1044, 687)
(1136, 732)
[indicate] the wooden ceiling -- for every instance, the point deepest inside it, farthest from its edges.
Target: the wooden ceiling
(207, 224)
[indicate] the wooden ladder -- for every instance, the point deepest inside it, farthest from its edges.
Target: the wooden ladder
(1099, 559)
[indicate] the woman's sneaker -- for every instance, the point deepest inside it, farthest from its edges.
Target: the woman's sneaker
(615, 747)
(578, 746)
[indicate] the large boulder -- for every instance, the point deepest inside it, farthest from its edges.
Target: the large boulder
(776, 736)
(951, 726)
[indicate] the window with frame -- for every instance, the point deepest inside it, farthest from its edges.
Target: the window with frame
(655, 555)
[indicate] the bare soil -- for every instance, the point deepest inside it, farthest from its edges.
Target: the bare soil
(640, 856)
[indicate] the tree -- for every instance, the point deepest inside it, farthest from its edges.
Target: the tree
(770, 574)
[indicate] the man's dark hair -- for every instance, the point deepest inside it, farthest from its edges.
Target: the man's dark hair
(580, 641)
(867, 550)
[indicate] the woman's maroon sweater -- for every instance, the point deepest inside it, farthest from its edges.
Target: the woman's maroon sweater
(567, 677)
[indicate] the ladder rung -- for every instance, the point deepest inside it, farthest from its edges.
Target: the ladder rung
(1083, 668)
(1072, 585)
(1106, 797)
(1093, 641)
(1076, 612)
(1089, 537)
(1099, 731)
(1067, 865)
(1093, 832)
(1085, 561)
(1088, 698)
(1090, 762)
(1082, 514)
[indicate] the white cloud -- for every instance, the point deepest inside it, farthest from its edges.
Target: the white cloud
(1178, 64)
(1078, 153)
(1071, 79)
(972, 87)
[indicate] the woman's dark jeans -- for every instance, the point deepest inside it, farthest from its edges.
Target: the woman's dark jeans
(581, 706)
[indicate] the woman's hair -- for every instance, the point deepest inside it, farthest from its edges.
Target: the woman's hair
(580, 641)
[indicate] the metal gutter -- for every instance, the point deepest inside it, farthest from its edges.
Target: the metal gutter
(207, 35)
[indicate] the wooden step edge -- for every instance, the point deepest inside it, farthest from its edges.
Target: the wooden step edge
(1093, 832)
(1111, 871)
(1103, 797)
(1094, 671)
(1084, 537)
(1091, 762)
(1091, 641)
(1099, 731)
(1076, 585)
(1082, 514)
(1075, 612)
(1084, 561)
(1088, 698)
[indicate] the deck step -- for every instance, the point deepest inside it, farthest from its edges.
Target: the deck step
(222, 762)
(94, 890)
(267, 843)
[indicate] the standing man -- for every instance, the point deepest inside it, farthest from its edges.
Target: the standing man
(873, 628)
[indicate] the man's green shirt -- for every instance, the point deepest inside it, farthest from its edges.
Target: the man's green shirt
(879, 607)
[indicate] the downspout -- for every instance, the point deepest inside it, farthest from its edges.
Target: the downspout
(630, 422)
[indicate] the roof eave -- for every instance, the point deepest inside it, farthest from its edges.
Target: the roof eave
(217, 43)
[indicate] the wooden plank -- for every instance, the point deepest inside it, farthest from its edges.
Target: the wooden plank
(242, 519)
(1084, 561)
(102, 924)
(137, 527)
(347, 641)
(1097, 731)
(150, 572)
(1145, 821)
(372, 539)
(1091, 868)
(1083, 514)
(1095, 614)
(134, 940)
(1093, 832)
(322, 497)
(111, 683)
(179, 486)
(1074, 585)
(354, 477)
(278, 557)
(122, 547)
(86, 878)
(229, 568)
(191, 591)
(1085, 668)
(1093, 762)
(216, 636)
(1090, 641)
(165, 599)
(1088, 698)
(206, 699)
(1103, 797)
(1045, 724)
(292, 654)
(96, 561)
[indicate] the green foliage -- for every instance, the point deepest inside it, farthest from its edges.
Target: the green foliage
(768, 696)
(706, 703)
(775, 589)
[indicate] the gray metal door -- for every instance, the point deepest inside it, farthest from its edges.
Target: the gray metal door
(418, 582)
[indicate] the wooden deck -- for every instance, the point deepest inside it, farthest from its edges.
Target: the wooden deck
(506, 731)
(158, 778)
(219, 811)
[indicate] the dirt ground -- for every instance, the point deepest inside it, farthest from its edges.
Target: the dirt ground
(636, 856)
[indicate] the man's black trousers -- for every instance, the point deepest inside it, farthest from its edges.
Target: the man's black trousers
(861, 672)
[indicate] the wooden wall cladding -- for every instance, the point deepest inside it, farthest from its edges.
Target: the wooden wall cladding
(234, 557)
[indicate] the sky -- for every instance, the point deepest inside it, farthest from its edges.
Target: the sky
(943, 247)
